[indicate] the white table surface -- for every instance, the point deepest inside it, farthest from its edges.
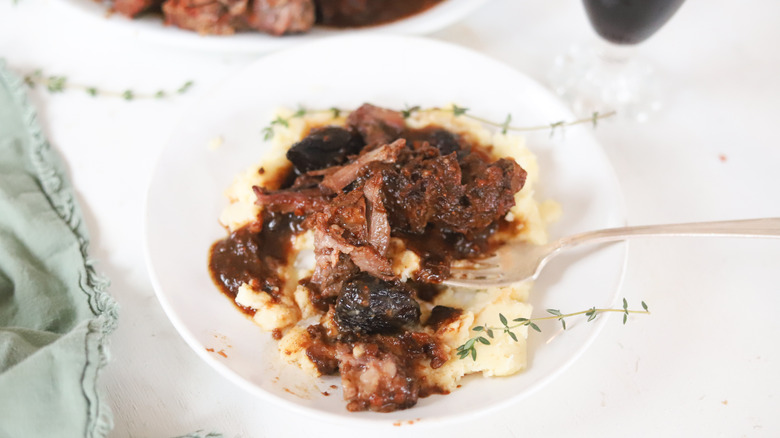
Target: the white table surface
(706, 363)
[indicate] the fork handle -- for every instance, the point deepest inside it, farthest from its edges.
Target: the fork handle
(765, 227)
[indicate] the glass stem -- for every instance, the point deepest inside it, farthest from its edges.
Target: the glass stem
(615, 55)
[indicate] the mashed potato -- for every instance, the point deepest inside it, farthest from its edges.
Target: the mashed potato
(294, 311)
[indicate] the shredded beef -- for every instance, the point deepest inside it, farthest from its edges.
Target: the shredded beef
(378, 223)
(343, 176)
(377, 125)
(298, 202)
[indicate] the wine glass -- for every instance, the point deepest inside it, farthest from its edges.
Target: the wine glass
(608, 76)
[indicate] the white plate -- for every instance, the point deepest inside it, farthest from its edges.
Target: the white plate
(151, 28)
(185, 200)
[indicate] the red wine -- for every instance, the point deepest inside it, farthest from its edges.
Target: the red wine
(629, 21)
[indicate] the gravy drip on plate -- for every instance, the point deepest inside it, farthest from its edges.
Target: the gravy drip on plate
(253, 254)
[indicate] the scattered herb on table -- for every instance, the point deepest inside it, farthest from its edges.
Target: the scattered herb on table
(59, 84)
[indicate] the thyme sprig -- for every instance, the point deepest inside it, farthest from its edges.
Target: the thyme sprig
(456, 110)
(469, 348)
(59, 84)
(506, 126)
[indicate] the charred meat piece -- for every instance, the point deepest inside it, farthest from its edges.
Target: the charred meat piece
(369, 305)
(131, 8)
(278, 17)
(377, 125)
(324, 147)
(207, 17)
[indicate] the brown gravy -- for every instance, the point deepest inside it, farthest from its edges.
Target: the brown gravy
(363, 13)
(253, 256)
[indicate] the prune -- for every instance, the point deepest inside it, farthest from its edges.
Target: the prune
(445, 141)
(370, 305)
(324, 147)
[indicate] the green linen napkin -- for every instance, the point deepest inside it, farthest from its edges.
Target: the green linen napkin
(55, 314)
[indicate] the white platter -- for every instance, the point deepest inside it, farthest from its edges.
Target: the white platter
(185, 200)
(151, 28)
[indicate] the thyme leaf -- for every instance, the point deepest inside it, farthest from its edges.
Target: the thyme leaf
(458, 111)
(409, 110)
(505, 125)
(186, 87)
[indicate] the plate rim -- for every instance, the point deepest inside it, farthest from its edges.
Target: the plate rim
(254, 389)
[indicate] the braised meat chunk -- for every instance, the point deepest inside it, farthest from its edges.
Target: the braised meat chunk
(212, 17)
(375, 380)
(279, 17)
(225, 17)
(381, 373)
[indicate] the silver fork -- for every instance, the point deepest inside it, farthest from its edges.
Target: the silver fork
(517, 262)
